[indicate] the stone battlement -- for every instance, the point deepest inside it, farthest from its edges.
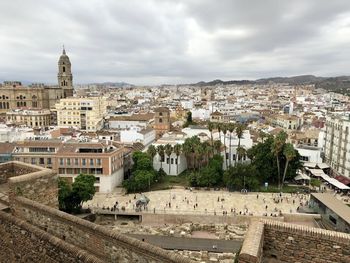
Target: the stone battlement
(293, 243)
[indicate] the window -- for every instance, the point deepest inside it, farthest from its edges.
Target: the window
(91, 161)
(76, 161)
(98, 161)
(41, 161)
(83, 161)
(61, 161)
(64, 69)
(172, 160)
(160, 113)
(61, 171)
(68, 161)
(33, 161)
(160, 120)
(167, 160)
(97, 180)
(176, 160)
(49, 161)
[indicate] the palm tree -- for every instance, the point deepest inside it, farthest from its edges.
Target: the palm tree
(160, 150)
(262, 135)
(217, 146)
(187, 149)
(290, 154)
(152, 151)
(206, 151)
(224, 131)
(231, 128)
(239, 132)
(211, 126)
(277, 147)
(177, 151)
(168, 150)
(241, 152)
(198, 153)
(218, 127)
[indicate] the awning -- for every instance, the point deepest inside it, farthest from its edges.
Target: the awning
(322, 165)
(343, 179)
(309, 164)
(316, 172)
(338, 184)
(301, 177)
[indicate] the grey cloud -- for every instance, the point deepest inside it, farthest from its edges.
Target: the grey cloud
(147, 42)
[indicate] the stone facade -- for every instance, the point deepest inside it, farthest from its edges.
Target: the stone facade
(22, 242)
(290, 243)
(11, 169)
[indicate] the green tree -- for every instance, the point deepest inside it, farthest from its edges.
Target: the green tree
(277, 148)
(241, 176)
(211, 126)
(152, 151)
(239, 132)
(168, 151)
(177, 151)
(290, 153)
(161, 153)
(231, 129)
(71, 197)
(224, 131)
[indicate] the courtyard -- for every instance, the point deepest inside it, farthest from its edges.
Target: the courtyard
(188, 201)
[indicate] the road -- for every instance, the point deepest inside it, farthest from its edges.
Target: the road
(194, 244)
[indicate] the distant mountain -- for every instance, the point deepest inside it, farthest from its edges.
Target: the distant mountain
(113, 84)
(340, 84)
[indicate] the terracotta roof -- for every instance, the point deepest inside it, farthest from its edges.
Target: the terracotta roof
(6, 147)
(217, 113)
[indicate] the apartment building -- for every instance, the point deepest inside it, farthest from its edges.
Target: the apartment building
(337, 143)
(286, 122)
(85, 113)
(128, 121)
(105, 161)
(29, 118)
(71, 158)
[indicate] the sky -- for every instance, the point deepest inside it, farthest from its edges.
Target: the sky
(151, 42)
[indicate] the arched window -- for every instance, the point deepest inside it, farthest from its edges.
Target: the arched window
(7, 105)
(64, 69)
(18, 104)
(1, 105)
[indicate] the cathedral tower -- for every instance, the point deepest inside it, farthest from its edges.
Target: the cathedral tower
(64, 76)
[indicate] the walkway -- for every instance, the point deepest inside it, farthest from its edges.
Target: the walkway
(193, 244)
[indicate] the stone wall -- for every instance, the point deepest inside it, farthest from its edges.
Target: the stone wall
(292, 243)
(252, 248)
(22, 242)
(39, 185)
(11, 169)
(296, 243)
(107, 245)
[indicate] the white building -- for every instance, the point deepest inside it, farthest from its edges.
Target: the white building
(134, 134)
(337, 143)
(309, 153)
(128, 121)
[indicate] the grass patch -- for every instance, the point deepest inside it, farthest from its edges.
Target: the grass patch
(169, 182)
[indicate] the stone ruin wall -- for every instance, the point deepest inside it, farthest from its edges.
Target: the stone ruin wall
(38, 232)
(107, 245)
(21, 242)
(267, 239)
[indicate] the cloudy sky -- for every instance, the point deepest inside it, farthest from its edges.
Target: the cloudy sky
(168, 41)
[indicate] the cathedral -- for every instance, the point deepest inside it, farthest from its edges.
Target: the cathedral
(13, 95)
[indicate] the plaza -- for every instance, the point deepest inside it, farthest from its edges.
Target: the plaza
(201, 202)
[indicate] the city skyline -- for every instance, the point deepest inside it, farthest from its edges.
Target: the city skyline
(174, 42)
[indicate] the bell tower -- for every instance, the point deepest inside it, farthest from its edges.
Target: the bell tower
(64, 76)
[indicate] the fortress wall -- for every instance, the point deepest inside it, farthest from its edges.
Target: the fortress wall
(22, 242)
(108, 245)
(33, 182)
(292, 243)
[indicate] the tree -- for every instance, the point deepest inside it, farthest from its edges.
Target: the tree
(241, 176)
(177, 151)
(217, 146)
(241, 152)
(189, 118)
(152, 151)
(290, 153)
(71, 197)
(276, 148)
(239, 132)
(168, 151)
(218, 127)
(224, 131)
(160, 151)
(231, 128)
(211, 126)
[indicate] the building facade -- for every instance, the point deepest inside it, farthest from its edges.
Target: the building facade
(14, 95)
(337, 144)
(85, 113)
(161, 121)
(29, 118)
